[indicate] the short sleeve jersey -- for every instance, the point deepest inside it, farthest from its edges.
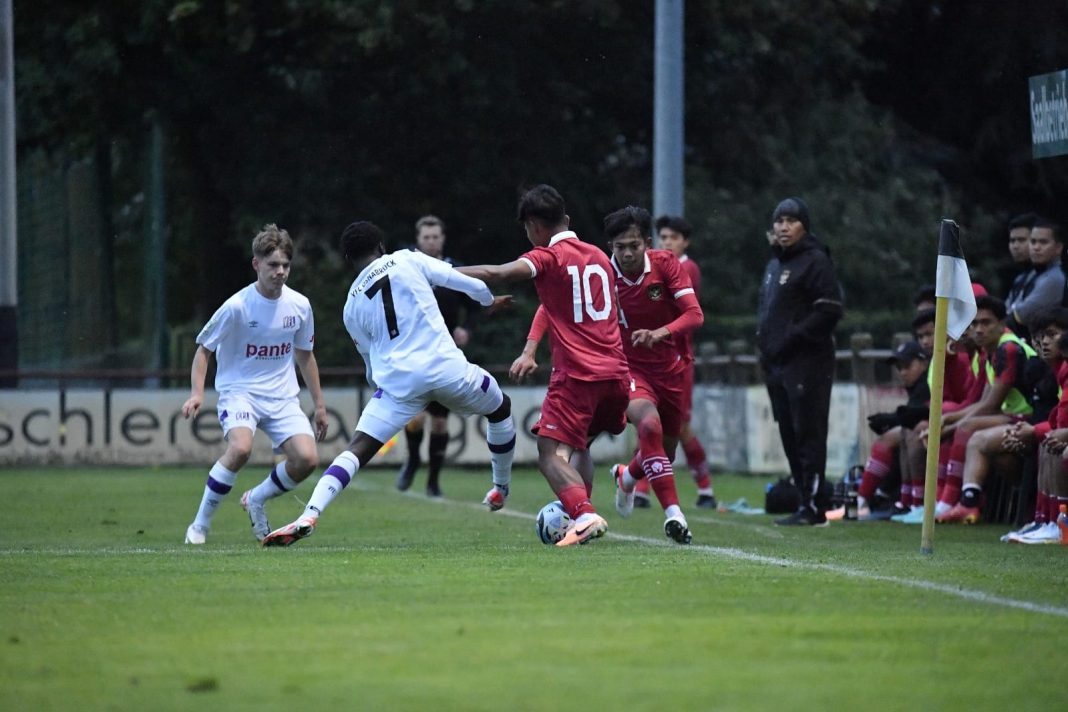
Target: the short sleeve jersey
(393, 318)
(575, 285)
(959, 384)
(1009, 362)
(253, 338)
(649, 302)
(693, 271)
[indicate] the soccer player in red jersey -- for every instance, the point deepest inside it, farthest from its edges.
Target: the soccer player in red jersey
(674, 235)
(588, 393)
(657, 305)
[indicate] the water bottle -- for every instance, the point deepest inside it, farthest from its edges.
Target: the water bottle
(1062, 524)
(851, 505)
(852, 483)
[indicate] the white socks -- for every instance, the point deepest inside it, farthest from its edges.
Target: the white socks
(220, 482)
(500, 437)
(276, 483)
(336, 478)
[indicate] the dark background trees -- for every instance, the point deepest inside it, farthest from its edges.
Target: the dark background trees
(884, 116)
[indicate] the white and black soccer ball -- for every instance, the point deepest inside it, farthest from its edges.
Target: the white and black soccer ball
(553, 522)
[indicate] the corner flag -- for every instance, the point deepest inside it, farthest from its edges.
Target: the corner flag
(954, 311)
(952, 280)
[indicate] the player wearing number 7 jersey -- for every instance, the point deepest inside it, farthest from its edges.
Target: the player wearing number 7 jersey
(588, 392)
(393, 318)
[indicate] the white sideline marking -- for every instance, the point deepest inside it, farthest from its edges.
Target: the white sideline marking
(719, 551)
(741, 555)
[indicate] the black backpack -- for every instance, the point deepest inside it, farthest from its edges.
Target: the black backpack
(783, 497)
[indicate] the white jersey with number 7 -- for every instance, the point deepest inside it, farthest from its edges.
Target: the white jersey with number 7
(393, 318)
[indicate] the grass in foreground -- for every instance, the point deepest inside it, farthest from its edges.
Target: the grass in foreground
(398, 602)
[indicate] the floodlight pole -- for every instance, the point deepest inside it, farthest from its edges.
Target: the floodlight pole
(669, 110)
(9, 295)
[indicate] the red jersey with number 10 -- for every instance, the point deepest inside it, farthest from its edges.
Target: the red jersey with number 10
(575, 284)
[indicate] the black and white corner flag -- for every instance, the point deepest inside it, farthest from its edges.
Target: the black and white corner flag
(952, 280)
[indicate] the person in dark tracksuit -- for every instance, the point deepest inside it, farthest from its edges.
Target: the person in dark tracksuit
(800, 304)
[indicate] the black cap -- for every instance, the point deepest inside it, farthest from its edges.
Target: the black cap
(794, 208)
(906, 353)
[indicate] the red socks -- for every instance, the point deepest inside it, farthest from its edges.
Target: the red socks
(698, 462)
(877, 467)
(575, 500)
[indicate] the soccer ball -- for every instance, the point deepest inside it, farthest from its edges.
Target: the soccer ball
(553, 522)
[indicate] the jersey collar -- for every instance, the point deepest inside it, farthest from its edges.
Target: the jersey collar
(565, 235)
(619, 272)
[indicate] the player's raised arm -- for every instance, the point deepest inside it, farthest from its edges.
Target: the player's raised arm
(515, 271)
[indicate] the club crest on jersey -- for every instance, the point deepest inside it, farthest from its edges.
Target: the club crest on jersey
(655, 292)
(784, 276)
(288, 322)
(253, 324)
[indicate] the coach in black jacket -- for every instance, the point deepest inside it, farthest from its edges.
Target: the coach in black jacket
(800, 303)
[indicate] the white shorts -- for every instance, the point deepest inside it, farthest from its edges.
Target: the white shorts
(279, 418)
(477, 393)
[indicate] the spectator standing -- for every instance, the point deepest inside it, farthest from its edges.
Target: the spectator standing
(800, 304)
(1020, 252)
(1046, 288)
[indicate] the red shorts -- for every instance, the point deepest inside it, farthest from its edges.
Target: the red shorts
(687, 393)
(574, 410)
(666, 390)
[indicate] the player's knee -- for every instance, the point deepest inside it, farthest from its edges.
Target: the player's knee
(239, 451)
(650, 427)
(502, 412)
(303, 463)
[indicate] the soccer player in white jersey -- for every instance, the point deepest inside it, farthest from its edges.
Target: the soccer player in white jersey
(256, 335)
(411, 358)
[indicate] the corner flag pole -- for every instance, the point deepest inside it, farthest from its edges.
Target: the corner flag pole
(934, 420)
(954, 311)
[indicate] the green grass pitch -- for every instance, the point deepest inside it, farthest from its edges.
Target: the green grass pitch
(399, 602)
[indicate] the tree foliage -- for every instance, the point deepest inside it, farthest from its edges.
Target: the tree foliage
(315, 113)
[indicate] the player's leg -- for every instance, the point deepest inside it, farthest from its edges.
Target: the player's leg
(567, 483)
(571, 412)
(780, 411)
(957, 453)
(478, 393)
(291, 433)
(880, 461)
(695, 454)
(500, 439)
(238, 420)
(413, 437)
(655, 467)
(669, 410)
(982, 449)
(1044, 530)
(439, 443)
(382, 417)
(808, 404)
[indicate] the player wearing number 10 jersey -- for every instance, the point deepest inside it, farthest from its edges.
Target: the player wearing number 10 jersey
(393, 318)
(588, 391)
